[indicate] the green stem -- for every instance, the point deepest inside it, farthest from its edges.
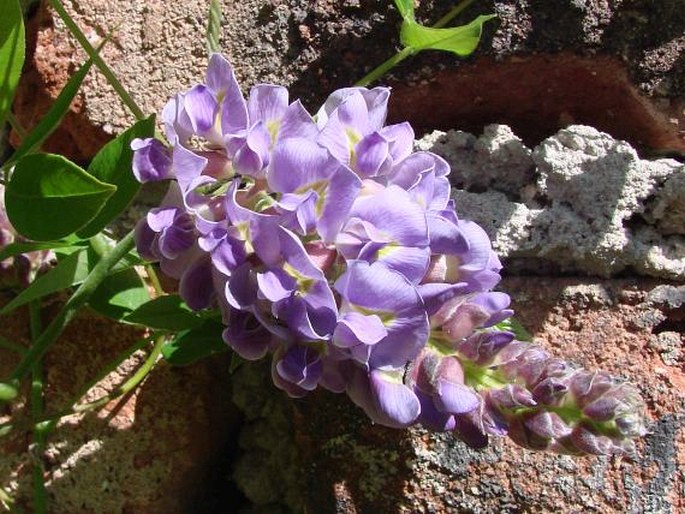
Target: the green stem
(16, 126)
(77, 300)
(400, 56)
(452, 14)
(48, 424)
(99, 62)
(12, 346)
(382, 69)
(131, 383)
(39, 492)
(154, 280)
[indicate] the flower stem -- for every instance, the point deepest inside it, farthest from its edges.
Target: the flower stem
(48, 424)
(400, 56)
(383, 68)
(452, 14)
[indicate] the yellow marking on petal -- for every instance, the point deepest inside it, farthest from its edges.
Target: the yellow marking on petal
(385, 316)
(304, 284)
(353, 138)
(388, 249)
(273, 126)
(244, 231)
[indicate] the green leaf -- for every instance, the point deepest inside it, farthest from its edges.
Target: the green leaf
(461, 40)
(71, 270)
(119, 294)
(12, 49)
(165, 313)
(14, 249)
(53, 117)
(405, 8)
(112, 165)
(192, 345)
(49, 197)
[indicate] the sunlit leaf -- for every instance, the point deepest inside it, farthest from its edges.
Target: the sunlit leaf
(49, 197)
(70, 271)
(192, 345)
(405, 8)
(12, 49)
(119, 294)
(112, 165)
(461, 40)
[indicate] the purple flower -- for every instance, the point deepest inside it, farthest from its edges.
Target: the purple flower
(383, 297)
(438, 381)
(386, 226)
(351, 123)
(317, 191)
(461, 315)
(151, 160)
(383, 396)
(299, 292)
(298, 370)
(329, 244)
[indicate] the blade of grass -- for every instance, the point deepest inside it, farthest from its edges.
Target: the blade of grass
(39, 438)
(16, 126)
(12, 53)
(55, 114)
(99, 62)
(77, 300)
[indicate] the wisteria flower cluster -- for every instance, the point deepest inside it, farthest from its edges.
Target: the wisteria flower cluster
(328, 243)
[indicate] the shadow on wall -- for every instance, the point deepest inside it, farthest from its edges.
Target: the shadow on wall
(167, 448)
(536, 96)
(540, 68)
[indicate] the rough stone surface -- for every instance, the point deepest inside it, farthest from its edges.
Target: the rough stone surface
(580, 201)
(542, 66)
(347, 465)
(164, 449)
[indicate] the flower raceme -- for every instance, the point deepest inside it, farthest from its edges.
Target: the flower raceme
(328, 243)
